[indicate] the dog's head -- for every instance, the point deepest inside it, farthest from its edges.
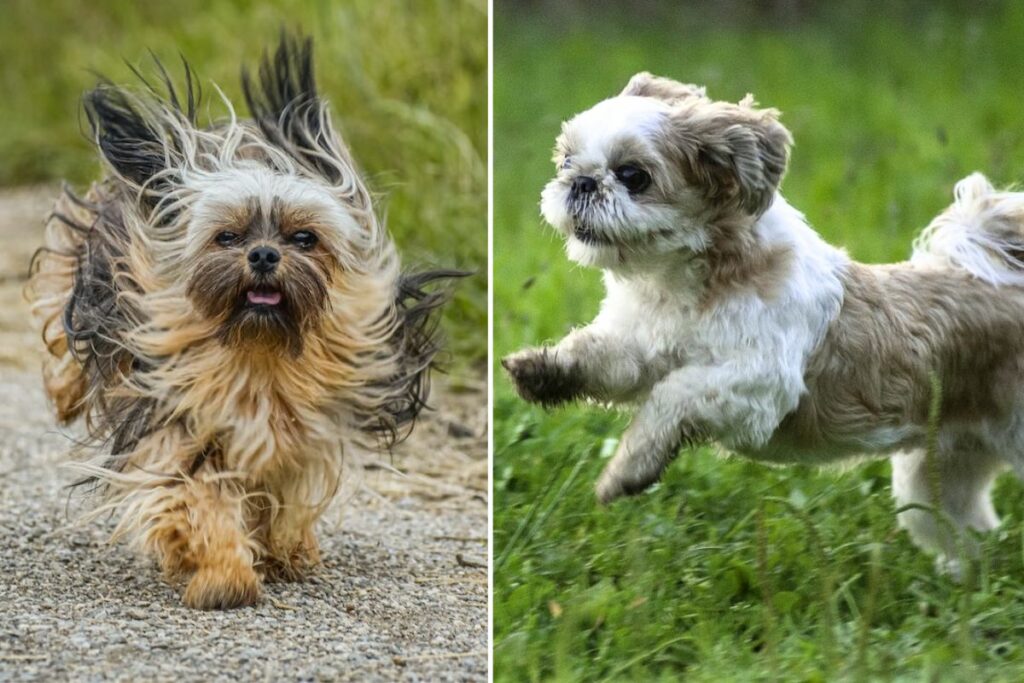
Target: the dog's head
(647, 171)
(264, 251)
(256, 220)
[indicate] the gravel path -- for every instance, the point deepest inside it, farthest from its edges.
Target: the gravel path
(402, 593)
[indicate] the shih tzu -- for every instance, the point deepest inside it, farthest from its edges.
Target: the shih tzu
(728, 319)
(229, 316)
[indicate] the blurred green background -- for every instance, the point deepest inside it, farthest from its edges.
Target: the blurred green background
(407, 81)
(728, 570)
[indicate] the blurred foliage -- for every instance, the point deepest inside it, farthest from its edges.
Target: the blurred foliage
(890, 104)
(407, 81)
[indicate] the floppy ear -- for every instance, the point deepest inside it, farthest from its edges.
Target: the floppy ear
(737, 153)
(289, 111)
(645, 84)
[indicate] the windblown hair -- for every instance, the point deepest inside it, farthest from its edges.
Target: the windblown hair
(140, 294)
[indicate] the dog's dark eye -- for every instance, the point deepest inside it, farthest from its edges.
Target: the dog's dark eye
(226, 239)
(635, 179)
(304, 239)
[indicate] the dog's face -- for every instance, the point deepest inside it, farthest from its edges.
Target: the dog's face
(647, 172)
(259, 220)
(263, 251)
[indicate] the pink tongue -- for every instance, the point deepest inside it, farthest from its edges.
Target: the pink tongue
(268, 298)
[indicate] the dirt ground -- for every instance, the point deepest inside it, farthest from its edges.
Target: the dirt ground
(402, 593)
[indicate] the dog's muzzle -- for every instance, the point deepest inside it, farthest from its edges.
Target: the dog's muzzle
(583, 187)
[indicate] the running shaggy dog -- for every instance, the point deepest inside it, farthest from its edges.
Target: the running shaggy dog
(228, 315)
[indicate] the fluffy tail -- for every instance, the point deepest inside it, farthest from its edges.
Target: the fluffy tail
(982, 233)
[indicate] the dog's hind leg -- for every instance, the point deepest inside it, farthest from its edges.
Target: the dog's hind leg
(962, 481)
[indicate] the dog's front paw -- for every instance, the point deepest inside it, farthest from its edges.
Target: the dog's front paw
(613, 485)
(630, 473)
(539, 378)
(222, 588)
(951, 567)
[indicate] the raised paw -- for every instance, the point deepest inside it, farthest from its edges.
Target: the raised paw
(222, 588)
(951, 567)
(634, 468)
(538, 378)
(613, 485)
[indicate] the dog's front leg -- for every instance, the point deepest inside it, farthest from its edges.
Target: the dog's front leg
(218, 541)
(651, 441)
(197, 529)
(290, 540)
(293, 550)
(738, 403)
(192, 517)
(196, 525)
(587, 363)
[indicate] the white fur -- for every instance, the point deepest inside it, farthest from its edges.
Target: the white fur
(732, 370)
(221, 192)
(642, 229)
(748, 352)
(962, 237)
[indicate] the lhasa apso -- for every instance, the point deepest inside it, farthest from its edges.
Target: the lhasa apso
(728, 319)
(229, 316)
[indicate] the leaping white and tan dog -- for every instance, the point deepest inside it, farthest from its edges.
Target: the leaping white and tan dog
(728, 319)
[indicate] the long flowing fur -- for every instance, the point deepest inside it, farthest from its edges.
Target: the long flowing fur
(184, 412)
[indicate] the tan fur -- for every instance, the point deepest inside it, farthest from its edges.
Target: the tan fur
(735, 152)
(197, 530)
(728, 319)
(735, 262)
(272, 419)
(899, 324)
(52, 278)
(246, 438)
(645, 84)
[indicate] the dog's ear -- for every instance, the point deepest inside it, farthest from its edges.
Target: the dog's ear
(645, 84)
(143, 137)
(736, 153)
(130, 138)
(289, 111)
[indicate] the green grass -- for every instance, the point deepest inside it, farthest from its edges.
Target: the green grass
(407, 82)
(729, 570)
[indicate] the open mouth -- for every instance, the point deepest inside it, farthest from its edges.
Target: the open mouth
(263, 296)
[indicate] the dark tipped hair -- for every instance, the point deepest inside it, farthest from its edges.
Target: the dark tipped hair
(136, 143)
(139, 138)
(285, 104)
(418, 339)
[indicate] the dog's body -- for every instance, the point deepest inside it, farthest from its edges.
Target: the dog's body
(230, 318)
(740, 325)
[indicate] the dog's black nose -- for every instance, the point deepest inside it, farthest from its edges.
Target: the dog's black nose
(264, 259)
(583, 184)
